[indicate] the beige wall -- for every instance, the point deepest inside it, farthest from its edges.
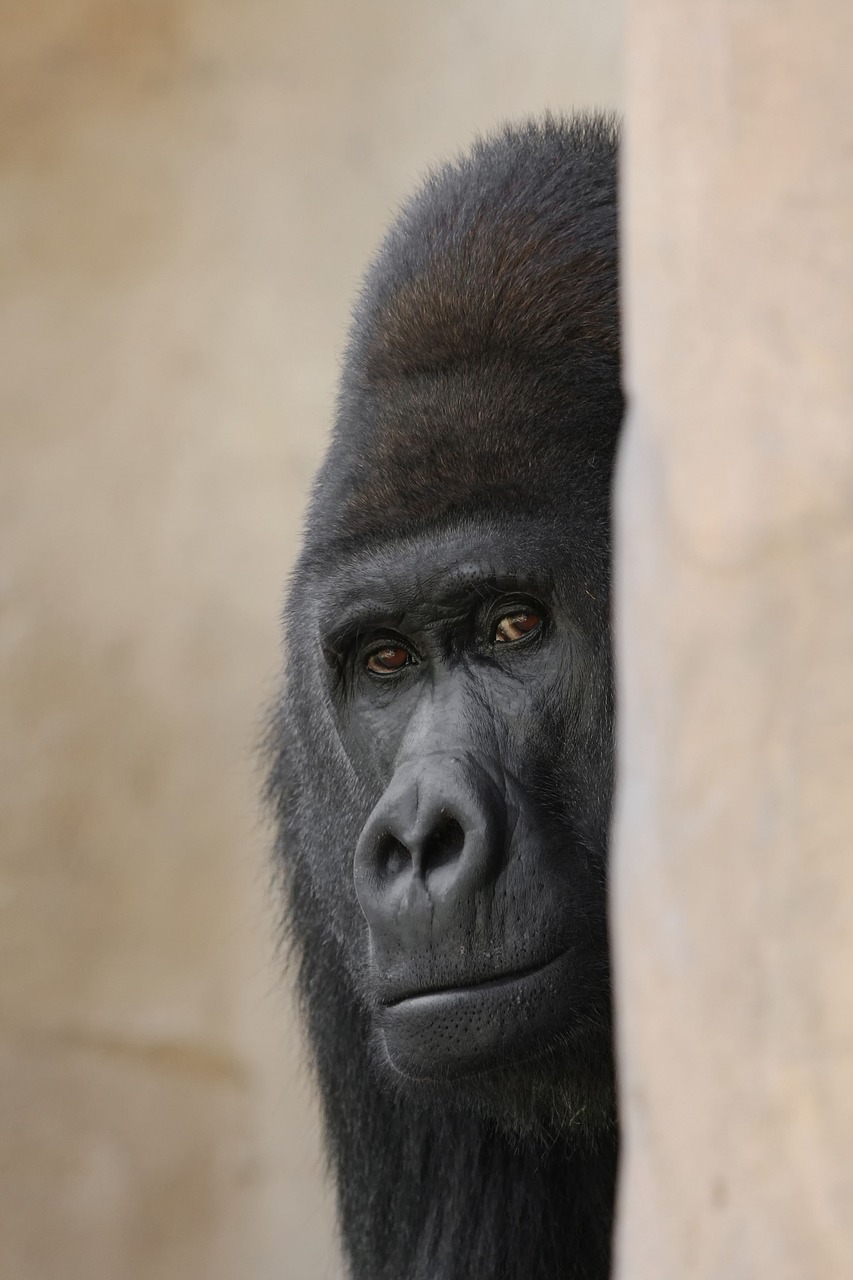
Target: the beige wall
(189, 191)
(733, 863)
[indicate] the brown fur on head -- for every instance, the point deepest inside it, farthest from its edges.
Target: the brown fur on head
(485, 349)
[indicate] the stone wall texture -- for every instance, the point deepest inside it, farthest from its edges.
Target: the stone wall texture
(733, 866)
(190, 189)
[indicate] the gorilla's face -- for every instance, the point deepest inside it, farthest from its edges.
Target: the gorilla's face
(470, 685)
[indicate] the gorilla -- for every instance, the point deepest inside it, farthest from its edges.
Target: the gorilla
(442, 751)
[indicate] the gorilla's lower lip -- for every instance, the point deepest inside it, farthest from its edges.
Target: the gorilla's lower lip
(482, 984)
(457, 1031)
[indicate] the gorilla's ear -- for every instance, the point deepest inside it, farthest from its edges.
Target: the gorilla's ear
(314, 797)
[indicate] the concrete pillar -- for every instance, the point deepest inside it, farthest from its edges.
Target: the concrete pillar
(733, 860)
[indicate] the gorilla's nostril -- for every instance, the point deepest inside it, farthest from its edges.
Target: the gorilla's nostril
(444, 844)
(392, 856)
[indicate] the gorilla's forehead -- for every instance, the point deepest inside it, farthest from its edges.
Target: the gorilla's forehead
(441, 567)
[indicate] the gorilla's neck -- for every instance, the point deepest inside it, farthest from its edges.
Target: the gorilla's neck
(439, 1198)
(436, 1194)
(449, 1200)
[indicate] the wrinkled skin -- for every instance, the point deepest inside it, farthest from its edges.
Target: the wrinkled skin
(442, 752)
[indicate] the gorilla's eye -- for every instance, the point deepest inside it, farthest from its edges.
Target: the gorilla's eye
(388, 660)
(515, 626)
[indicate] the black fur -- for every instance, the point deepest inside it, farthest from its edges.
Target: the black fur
(480, 390)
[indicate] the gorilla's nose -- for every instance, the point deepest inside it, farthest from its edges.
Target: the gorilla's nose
(434, 840)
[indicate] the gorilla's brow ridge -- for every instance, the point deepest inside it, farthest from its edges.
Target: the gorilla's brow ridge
(344, 615)
(477, 560)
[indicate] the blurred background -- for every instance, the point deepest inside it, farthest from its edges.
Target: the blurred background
(190, 189)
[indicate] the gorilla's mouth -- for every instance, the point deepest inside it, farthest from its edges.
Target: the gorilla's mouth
(458, 1030)
(505, 979)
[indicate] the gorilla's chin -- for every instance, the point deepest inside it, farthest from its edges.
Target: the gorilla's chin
(555, 1085)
